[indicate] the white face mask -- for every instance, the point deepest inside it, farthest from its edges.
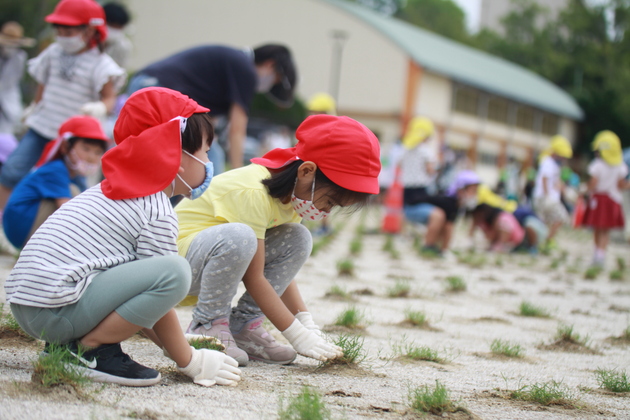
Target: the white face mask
(114, 34)
(79, 165)
(266, 82)
(470, 203)
(71, 44)
(306, 208)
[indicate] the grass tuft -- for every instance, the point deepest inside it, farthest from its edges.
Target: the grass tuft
(308, 404)
(353, 350)
(616, 275)
(356, 245)
(345, 267)
(435, 400)
(338, 292)
(505, 348)
(547, 393)
(400, 290)
(455, 284)
(621, 264)
(390, 248)
(612, 380)
(416, 318)
(58, 367)
(350, 318)
(567, 334)
(592, 272)
(413, 352)
(529, 309)
(210, 343)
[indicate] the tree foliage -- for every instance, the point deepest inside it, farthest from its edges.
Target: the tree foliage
(444, 17)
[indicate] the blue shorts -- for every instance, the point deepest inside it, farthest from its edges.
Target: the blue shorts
(23, 158)
(419, 213)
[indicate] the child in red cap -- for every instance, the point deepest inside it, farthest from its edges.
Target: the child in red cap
(74, 77)
(247, 227)
(75, 152)
(105, 265)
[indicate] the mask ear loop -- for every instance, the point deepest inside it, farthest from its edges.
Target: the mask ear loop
(313, 189)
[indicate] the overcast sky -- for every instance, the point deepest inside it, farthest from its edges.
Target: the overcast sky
(472, 9)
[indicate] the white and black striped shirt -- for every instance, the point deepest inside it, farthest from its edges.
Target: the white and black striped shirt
(69, 82)
(86, 236)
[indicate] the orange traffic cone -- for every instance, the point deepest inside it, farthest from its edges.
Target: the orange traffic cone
(392, 221)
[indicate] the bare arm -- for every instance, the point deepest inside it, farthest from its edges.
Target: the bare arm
(592, 183)
(236, 134)
(108, 96)
(264, 294)
(39, 93)
(61, 201)
(293, 299)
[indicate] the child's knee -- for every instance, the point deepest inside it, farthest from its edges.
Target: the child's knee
(177, 276)
(303, 240)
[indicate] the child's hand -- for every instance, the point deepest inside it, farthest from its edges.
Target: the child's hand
(209, 367)
(308, 343)
(307, 320)
(96, 109)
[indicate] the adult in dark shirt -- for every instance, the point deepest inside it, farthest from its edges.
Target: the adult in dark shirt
(225, 80)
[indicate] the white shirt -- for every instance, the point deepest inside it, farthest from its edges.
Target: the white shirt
(608, 177)
(86, 236)
(549, 170)
(414, 166)
(69, 82)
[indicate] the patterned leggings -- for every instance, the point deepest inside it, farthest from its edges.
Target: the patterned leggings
(219, 257)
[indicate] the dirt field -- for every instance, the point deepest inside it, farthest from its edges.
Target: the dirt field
(461, 327)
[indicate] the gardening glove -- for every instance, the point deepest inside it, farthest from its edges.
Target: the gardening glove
(307, 320)
(309, 344)
(209, 367)
(94, 109)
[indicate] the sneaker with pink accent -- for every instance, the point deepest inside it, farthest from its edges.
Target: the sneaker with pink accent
(260, 345)
(220, 329)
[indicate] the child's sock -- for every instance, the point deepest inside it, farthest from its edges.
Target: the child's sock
(600, 255)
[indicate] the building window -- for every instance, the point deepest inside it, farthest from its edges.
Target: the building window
(525, 118)
(498, 110)
(485, 158)
(550, 124)
(466, 101)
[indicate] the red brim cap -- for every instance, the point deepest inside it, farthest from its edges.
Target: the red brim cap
(149, 143)
(63, 20)
(277, 158)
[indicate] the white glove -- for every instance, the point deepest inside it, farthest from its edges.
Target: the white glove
(28, 111)
(309, 344)
(209, 367)
(307, 320)
(95, 109)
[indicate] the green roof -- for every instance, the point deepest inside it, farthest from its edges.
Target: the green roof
(468, 65)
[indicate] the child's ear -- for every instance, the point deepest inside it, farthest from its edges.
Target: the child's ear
(307, 170)
(181, 170)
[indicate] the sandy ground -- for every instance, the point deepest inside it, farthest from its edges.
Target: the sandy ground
(463, 325)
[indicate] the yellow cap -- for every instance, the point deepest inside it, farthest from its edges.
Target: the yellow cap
(418, 130)
(608, 145)
(486, 196)
(323, 103)
(560, 146)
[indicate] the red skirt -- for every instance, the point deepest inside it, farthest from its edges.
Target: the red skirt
(602, 212)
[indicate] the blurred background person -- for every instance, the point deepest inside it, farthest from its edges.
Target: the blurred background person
(12, 62)
(117, 45)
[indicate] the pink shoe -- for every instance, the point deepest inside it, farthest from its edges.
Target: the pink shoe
(221, 330)
(260, 345)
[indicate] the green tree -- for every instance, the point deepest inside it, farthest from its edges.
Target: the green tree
(443, 17)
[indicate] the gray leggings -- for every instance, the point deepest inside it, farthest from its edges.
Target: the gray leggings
(141, 292)
(219, 257)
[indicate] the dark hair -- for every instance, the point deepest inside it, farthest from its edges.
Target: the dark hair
(196, 126)
(93, 142)
(116, 14)
(281, 56)
(488, 213)
(282, 182)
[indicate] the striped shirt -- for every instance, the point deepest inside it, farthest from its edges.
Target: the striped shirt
(86, 236)
(70, 81)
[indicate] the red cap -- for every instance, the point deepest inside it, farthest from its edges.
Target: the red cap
(79, 12)
(80, 126)
(149, 143)
(345, 150)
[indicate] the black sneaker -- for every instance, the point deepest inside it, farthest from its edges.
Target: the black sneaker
(108, 363)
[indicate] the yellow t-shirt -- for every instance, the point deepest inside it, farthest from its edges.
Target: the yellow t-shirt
(236, 196)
